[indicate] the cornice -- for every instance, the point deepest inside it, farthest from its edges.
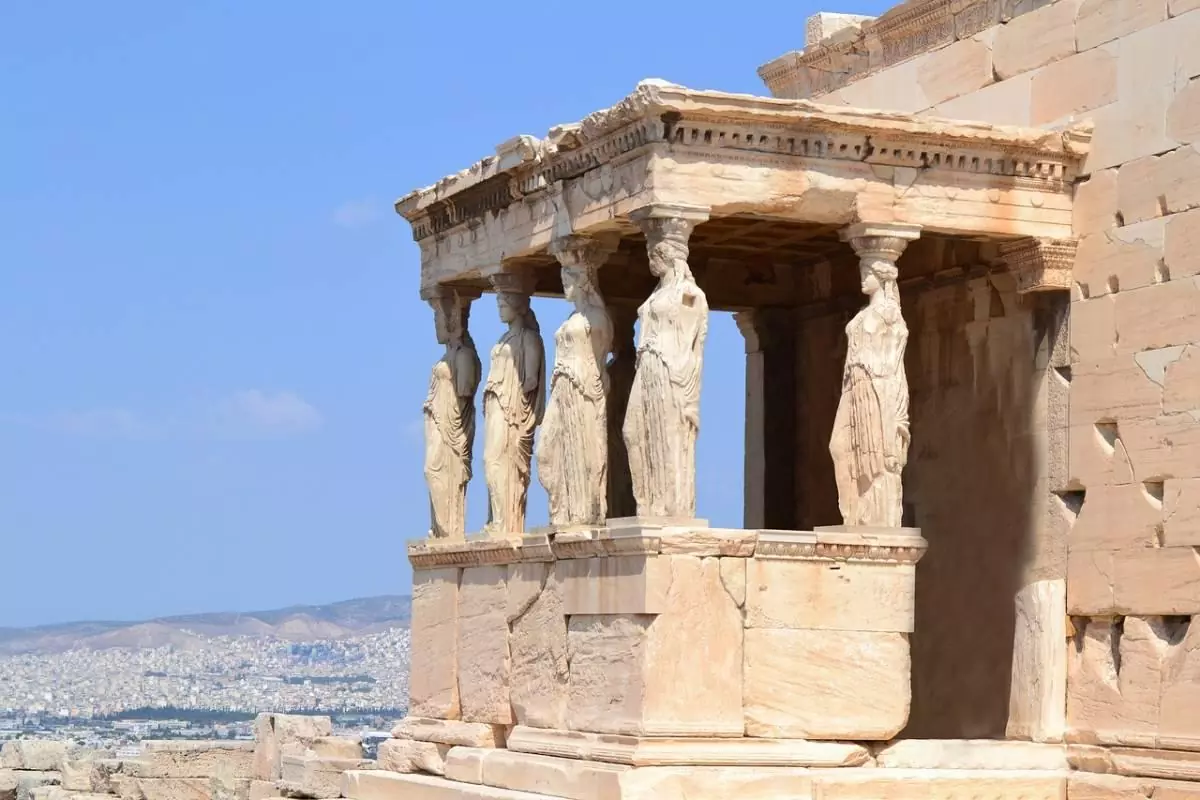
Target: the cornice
(735, 127)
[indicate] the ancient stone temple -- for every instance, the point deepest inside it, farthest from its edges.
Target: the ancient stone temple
(958, 242)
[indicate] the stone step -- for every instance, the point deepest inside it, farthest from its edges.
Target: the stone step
(707, 783)
(380, 785)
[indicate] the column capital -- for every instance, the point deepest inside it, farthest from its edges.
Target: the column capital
(578, 250)
(748, 324)
(668, 220)
(513, 280)
(439, 291)
(1040, 265)
(883, 240)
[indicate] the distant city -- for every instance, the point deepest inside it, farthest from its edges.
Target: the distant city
(171, 681)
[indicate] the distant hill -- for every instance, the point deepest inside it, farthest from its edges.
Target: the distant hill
(294, 623)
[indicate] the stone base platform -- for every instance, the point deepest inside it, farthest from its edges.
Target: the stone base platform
(541, 777)
(641, 751)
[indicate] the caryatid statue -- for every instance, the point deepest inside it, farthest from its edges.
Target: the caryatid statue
(870, 437)
(573, 449)
(450, 415)
(514, 399)
(662, 420)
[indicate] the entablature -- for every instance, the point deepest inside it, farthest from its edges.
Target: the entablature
(741, 155)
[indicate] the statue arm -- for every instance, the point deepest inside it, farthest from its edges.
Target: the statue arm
(531, 367)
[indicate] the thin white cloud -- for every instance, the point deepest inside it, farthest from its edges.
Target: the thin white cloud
(98, 423)
(357, 213)
(255, 412)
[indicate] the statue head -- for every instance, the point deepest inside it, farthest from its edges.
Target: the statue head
(512, 306)
(579, 285)
(449, 317)
(878, 277)
(668, 258)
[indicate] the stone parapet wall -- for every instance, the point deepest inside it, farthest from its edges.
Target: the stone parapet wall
(681, 632)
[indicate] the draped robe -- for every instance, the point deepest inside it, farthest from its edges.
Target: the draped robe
(870, 437)
(513, 403)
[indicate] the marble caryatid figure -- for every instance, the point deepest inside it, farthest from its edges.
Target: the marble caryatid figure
(662, 420)
(870, 437)
(573, 449)
(513, 403)
(450, 416)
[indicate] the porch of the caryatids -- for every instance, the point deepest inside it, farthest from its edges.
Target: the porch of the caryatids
(449, 412)
(662, 421)
(514, 399)
(870, 439)
(572, 453)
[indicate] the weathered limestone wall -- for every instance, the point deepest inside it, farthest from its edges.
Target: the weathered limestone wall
(292, 756)
(975, 484)
(1132, 470)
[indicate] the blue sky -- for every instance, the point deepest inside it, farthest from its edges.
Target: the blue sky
(213, 351)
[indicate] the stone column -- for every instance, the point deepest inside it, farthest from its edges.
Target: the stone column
(870, 437)
(514, 399)
(662, 421)
(621, 368)
(755, 478)
(573, 449)
(450, 413)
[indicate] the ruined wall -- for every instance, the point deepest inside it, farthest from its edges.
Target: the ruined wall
(1125, 447)
(975, 484)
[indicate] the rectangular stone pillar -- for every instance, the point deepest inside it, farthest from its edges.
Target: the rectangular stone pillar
(771, 424)
(754, 480)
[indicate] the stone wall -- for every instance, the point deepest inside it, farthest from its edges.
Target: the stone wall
(1125, 454)
(292, 756)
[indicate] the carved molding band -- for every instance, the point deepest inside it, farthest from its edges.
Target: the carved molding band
(1040, 265)
(907, 31)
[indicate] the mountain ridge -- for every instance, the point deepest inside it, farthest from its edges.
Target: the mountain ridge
(337, 620)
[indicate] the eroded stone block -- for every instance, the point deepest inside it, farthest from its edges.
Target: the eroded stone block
(694, 655)
(410, 755)
(955, 70)
(1035, 39)
(1117, 518)
(826, 684)
(1114, 681)
(1183, 115)
(33, 754)
(1158, 316)
(1179, 720)
(433, 667)
(1162, 580)
(1181, 512)
(971, 754)
(452, 732)
(556, 777)
(465, 764)
(274, 731)
(830, 595)
(1181, 248)
(635, 584)
(1074, 85)
(183, 759)
(537, 646)
(483, 656)
(1096, 203)
(1120, 259)
(1101, 21)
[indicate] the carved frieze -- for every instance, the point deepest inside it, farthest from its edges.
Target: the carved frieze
(1040, 265)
